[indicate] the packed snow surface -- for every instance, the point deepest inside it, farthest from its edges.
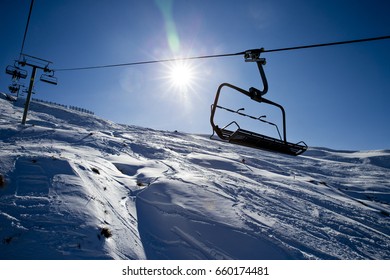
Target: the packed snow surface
(74, 186)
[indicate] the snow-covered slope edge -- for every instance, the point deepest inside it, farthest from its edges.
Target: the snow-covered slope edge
(79, 187)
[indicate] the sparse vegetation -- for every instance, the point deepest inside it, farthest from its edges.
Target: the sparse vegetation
(106, 232)
(95, 170)
(140, 184)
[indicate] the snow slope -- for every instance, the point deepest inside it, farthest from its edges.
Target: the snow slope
(79, 187)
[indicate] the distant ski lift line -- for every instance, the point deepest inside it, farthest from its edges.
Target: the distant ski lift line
(226, 55)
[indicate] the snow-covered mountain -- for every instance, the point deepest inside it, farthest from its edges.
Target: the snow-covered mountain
(74, 186)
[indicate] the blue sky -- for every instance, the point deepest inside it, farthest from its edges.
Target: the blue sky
(335, 97)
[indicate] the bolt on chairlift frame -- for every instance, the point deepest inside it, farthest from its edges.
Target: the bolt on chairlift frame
(248, 138)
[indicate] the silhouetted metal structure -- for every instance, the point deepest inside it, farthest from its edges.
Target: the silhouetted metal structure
(18, 73)
(28, 60)
(248, 138)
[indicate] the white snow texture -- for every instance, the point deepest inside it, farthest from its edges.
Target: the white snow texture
(74, 186)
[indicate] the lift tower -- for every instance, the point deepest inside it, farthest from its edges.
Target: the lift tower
(35, 63)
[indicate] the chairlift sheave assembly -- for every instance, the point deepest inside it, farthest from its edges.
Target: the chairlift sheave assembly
(248, 138)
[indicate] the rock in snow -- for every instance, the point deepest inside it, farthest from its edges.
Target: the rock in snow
(74, 186)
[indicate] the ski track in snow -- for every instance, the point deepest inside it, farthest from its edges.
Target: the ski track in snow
(72, 177)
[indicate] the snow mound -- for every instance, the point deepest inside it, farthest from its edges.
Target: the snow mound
(75, 186)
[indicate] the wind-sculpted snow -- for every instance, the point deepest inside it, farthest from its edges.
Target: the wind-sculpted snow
(79, 187)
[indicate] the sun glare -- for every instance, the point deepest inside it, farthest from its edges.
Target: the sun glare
(181, 75)
(181, 82)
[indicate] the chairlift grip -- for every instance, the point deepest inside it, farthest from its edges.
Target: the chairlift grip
(254, 55)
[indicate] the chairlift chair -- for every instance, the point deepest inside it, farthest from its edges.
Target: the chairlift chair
(248, 138)
(49, 78)
(16, 72)
(14, 88)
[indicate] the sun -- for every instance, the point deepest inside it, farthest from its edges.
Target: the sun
(181, 75)
(181, 82)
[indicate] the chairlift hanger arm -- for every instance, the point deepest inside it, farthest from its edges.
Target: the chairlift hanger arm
(254, 56)
(263, 78)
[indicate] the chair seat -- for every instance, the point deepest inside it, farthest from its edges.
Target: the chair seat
(259, 141)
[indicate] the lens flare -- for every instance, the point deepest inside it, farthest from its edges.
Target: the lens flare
(170, 27)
